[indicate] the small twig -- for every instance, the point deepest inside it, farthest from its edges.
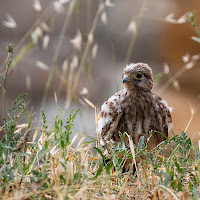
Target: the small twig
(8, 63)
(125, 182)
(191, 20)
(174, 77)
(88, 44)
(22, 142)
(191, 118)
(172, 153)
(70, 82)
(132, 151)
(170, 191)
(58, 48)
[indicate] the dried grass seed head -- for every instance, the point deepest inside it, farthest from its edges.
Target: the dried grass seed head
(9, 22)
(77, 41)
(37, 5)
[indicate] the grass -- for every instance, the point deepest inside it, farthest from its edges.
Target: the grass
(53, 167)
(53, 161)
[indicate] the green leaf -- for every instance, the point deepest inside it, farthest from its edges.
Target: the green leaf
(190, 17)
(178, 168)
(91, 141)
(173, 184)
(19, 165)
(195, 193)
(26, 167)
(77, 175)
(100, 152)
(2, 77)
(141, 143)
(62, 144)
(2, 89)
(99, 170)
(171, 174)
(196, 152)
(195, 180)
(46, 144)
(109, 166)
(9, 48)
(152, 157)
(162, 135)
(155, 166)
(190, 186)
(122, 136)
(179, 186)
(166, 180)
(3, 167)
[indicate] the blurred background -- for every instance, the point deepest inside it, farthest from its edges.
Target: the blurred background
(66, 51)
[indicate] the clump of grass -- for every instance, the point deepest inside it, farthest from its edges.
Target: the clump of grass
(53, 167)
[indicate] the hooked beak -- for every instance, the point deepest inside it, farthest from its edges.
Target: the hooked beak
(125, 79)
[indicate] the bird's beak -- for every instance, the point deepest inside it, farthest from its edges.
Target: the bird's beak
(125, 79)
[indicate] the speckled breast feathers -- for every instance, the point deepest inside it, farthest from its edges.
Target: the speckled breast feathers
(135, 109)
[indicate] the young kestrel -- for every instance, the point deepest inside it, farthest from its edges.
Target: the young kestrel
(135, 110)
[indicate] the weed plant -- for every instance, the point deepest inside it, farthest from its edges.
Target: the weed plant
(53, 167)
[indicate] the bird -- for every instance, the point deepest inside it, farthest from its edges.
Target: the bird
(135, 110)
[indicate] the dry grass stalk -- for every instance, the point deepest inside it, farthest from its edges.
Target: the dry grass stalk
(23, 141)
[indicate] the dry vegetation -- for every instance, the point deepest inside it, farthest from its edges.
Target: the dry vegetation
(55, 167)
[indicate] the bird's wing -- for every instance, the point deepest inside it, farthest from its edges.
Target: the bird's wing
(166, 112)
(110, 114)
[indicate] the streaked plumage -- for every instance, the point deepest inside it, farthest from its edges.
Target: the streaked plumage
(135, 109)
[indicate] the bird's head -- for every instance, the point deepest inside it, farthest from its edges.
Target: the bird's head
(138, 76)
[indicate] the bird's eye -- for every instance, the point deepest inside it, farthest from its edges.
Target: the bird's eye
(139, 75)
